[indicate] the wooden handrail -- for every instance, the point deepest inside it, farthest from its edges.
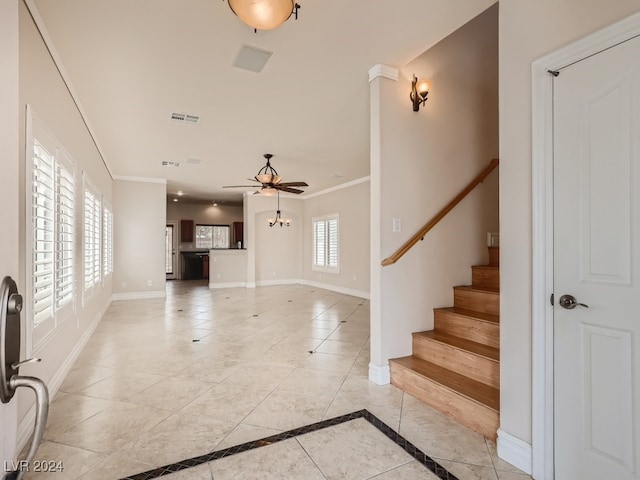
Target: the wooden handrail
(439, 216)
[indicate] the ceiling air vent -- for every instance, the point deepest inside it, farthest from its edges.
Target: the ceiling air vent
(185, 118)
(170, 164)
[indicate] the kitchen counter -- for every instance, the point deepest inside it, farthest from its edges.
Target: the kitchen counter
(228, 268)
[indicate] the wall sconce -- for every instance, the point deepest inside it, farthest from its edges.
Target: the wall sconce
(418, 93)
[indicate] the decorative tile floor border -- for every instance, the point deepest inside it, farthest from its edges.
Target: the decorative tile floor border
(394, 436)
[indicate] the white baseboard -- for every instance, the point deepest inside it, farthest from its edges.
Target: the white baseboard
(283, 281)
(251, 284)
(514, 451)
(228, 285)
(380, 375)
(26, 424)
(138, 295)
(339, 289)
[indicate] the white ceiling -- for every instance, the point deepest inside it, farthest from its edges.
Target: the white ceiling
(133, 63)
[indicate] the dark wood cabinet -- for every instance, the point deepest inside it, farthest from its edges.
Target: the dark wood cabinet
(205, 266)
(238, 233)
(186, 231)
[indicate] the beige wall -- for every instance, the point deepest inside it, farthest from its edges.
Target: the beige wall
(420, 161)
(353, 205)
(139, 210)
(528, 30)
(43, 89)
(274, 254)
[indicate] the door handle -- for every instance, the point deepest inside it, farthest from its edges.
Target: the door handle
(10, 380)
(42, 412)
(569, 302)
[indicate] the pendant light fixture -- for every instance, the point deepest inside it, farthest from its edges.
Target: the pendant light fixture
(279, 220)
(264, 14)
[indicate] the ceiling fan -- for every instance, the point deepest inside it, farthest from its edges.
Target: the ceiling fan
(270, 181)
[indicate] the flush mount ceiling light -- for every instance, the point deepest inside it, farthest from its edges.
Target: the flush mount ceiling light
(264, 14)
(419, 92)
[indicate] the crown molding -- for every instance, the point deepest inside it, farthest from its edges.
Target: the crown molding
(337, 187)
(125, 178)
(385, 71)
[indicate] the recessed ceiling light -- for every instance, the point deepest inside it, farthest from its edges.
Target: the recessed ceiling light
(175, 199)
(180, 193)
(215, 204)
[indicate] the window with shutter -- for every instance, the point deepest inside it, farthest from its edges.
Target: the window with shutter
(325, 238)
(91, 242)
(65, 232)
(107, 241)
(43, 221)
(50, 206)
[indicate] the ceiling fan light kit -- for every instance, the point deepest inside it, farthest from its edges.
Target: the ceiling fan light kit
(271, 182)
(264, 14)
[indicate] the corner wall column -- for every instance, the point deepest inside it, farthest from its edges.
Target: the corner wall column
(379, 77)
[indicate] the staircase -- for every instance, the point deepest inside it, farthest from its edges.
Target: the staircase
(455, 367)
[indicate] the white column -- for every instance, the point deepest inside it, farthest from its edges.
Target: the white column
(379, 364)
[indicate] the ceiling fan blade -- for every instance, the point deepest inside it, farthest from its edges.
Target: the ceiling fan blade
(239, 186)
(294, 184)
(254, 179)
(287, 189)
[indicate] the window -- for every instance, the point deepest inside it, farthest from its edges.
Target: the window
(43, 218)
(212, 236)
(107, 241)
(325, 243)
(51, 235)
(92, 257)
(65, 232)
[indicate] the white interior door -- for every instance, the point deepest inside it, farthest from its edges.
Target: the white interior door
(9, 122)
(597, 261)
(170, 247)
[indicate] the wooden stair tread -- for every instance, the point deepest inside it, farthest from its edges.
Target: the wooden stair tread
(471, 389)
(471, 288)
(463, 312)
(479, 349)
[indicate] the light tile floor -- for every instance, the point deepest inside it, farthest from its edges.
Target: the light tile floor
(168, 379)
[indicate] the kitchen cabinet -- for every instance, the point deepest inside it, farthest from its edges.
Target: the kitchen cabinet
(238, 233)
(186, 231)
(205, 266)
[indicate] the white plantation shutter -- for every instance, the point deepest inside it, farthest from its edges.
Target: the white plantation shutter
(332, 243)
(325, 238)
(89, 202)
(65, 234)
(91, 242)
(107, 242)
(43, 221)
(97, 226)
